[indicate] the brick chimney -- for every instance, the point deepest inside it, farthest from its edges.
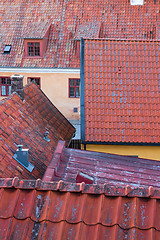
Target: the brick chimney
(17, 85)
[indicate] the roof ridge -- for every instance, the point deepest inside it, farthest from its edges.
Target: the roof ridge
(108, 190)
(122, 40)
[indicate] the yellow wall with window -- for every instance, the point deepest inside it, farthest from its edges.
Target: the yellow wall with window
(56, 87)
(148, 152)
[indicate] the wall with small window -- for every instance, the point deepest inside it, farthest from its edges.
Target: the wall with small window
(64, 94)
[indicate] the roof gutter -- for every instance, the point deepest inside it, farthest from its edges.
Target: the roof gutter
(121, 143)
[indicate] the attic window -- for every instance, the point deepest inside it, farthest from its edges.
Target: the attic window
(7, 49)
(136, 2)
(33, 49)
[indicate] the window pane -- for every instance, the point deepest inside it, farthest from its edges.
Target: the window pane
(30, 49)
(77, 92)
(36, 49)
(3, 90)
(3, 80)
(8, 90)
(9, 81)
(71, 92)
(77, 82)
(72, 82)
(37, 81)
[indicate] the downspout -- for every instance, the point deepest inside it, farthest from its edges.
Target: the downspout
(82, 91)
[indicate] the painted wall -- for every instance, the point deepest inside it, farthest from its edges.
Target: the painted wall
(148, 152)
(55, 86)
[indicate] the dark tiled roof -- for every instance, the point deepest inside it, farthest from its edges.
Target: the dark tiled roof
(119, 20)
(58, 210)
(36, 30)
(122, 91)
(25, 123)
(102, 167)
(88, 30)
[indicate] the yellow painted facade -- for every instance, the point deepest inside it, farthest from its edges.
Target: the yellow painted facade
(148, 152)
(56, 88)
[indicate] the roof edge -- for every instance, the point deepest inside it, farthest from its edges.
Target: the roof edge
(122, 143)
(122, 40)
(54, 163)
(106, 189)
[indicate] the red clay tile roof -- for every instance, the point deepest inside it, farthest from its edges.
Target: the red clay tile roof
(112, 169)
(122, 91)
(88, 30)
(58, 210)
(25, 123)
(119, 20)
(36, 30)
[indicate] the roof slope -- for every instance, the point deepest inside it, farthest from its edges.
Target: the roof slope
(25, 123)
(36, 30)
(43, 210)
(118, 18)
(122, 91)
(107, 168)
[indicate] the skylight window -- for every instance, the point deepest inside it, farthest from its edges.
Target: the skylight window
(136, 2)
(7, 49)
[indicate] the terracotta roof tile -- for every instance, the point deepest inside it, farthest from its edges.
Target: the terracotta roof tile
(26, 125)
(44, 212)
(121, 80)
(36, 30)
(118, 18)
(88, 30)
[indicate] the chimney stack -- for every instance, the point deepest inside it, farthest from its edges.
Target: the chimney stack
(17, 85)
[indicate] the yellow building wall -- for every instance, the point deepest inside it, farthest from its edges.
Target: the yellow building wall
(56, 88)
(148, 152)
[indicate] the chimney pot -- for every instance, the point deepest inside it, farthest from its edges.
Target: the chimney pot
(17, 85)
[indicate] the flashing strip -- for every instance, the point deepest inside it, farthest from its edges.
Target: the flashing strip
(38, 70)
(121, 143)
(30, 166)
(82, 91)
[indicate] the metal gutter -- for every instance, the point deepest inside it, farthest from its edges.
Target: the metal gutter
(82, 90)
(39, 70)
(122, 143)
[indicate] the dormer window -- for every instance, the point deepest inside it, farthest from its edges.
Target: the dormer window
(136, 2)
(33, 49)
(36, 39)
(7, 49)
